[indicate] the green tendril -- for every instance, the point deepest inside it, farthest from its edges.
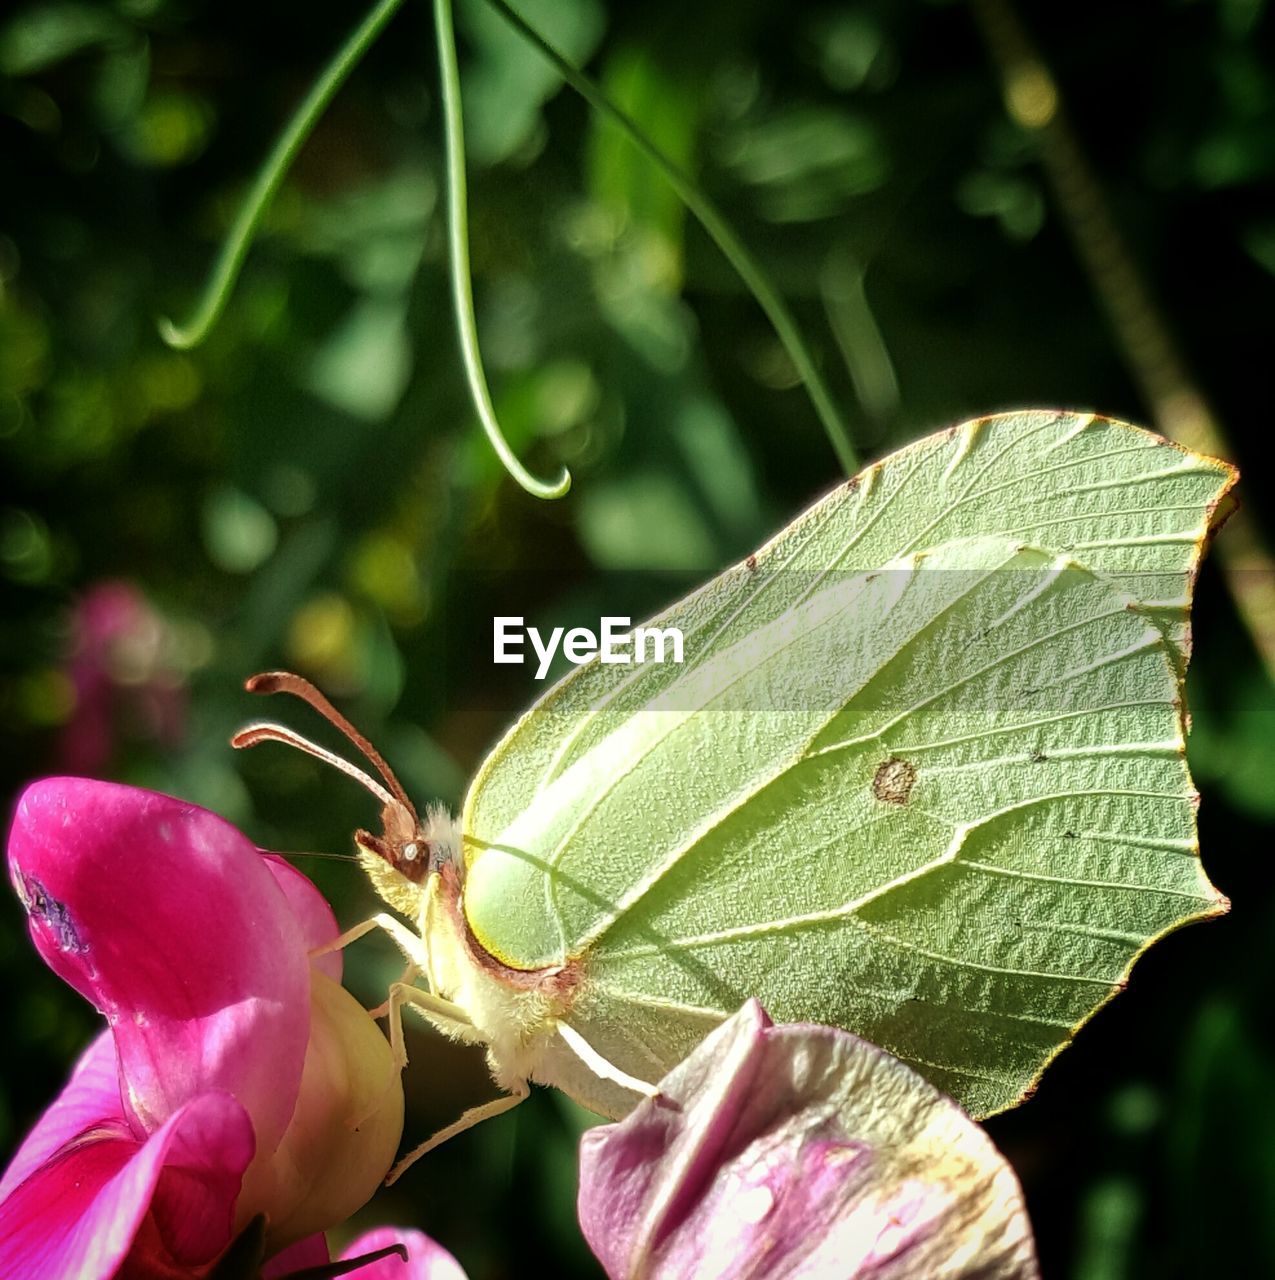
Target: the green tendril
(458, 241)
(269, 178)
(714, 222)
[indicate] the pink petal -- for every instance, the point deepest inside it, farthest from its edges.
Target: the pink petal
(195, 1201)
(81, 1212)
(91, 1097)
(425, 1259)
(799, 1151)
(310, 1252)
(171, 923)
(314, 916)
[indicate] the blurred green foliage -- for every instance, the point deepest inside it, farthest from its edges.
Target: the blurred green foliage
(309, 488)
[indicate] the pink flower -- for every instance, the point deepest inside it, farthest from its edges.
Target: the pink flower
(799, 1151)
(124, 675)
(235, 1077)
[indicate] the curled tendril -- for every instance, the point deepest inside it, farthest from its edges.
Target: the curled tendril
(221, 280)
(238, 241)
(714, 222)
(458, 240)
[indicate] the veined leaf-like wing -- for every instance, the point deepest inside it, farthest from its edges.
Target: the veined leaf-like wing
(916, 778)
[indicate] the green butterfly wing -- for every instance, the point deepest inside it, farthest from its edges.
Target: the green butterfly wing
(921, 775)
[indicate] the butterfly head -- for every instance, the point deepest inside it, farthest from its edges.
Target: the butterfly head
(412, 848)
(407, 850)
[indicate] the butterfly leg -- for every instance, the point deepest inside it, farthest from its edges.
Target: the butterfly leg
(468, 1119)
(600, 1067)
(410, 945)
(406, 979)
(403, 993)
(435, 1007)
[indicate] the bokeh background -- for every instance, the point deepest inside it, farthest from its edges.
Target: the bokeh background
(310, 489)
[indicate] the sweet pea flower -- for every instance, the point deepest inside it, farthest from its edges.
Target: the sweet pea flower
(778, 1152)
(235, 1078)
(781, 1153)
(125, 671)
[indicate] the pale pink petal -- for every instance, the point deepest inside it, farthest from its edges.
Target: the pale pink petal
(318, 924)
(91, 1097)
(172, 924)
(795, 1152)
(81, 1212)
(310, 1252)
(425, 1259)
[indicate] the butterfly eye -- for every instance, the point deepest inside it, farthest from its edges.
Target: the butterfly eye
(411, 859)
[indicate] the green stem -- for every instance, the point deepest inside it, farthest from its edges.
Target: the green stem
(458, 240)
(1033, 100)
(269, 178)
(712, 220)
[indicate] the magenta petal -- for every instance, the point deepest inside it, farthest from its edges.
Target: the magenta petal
(425, 1259)
(80, 1213)
(48, 1227)
(91, 1097)
(778, 1153)
(314, 915)
(210, 1144)
(172, 924)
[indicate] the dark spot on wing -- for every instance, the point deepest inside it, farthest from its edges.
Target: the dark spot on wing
(894, 780)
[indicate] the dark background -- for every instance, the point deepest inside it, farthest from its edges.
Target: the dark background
(309, 488)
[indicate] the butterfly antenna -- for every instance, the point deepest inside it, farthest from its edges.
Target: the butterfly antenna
(300, 687)
(266, 732)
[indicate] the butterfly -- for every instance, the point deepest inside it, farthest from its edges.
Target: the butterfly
(921, 774)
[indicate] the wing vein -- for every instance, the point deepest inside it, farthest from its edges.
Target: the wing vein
(715, 820)
(1151, 638)
(913, 748)
(1073, 882)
